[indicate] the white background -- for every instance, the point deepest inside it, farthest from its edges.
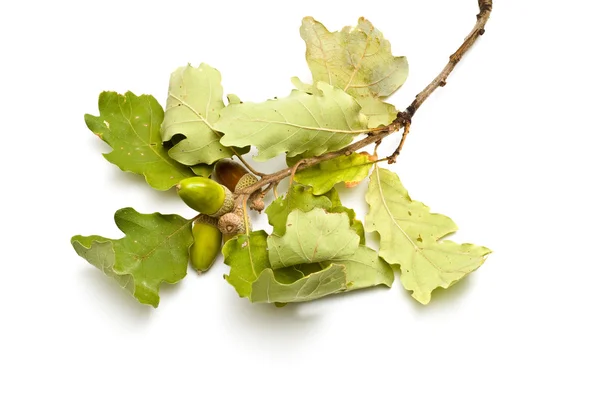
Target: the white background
(508, 149)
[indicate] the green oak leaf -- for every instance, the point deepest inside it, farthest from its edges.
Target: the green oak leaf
(193, 106)
(203, 170)
(247, 256)
(350, 170)
(131, 126)
(312, 237)
(378, 113)
(301, 123)
(154, 250)
(298, 197)
(302, 197)
(252, 277)
(334, 196)
(355, 223)
(358, 60)
(364, 268)
(410, 236)
(268, 289)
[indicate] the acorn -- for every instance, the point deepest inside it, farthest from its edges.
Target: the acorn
(207, 243)
(231, 224)
(205, 196)
(233, 175)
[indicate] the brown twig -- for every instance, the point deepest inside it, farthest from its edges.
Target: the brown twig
(403, 120)
(392, 158)
(485, 9)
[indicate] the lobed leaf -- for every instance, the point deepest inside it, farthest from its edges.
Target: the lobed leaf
(131, 126)
(252, 277)
(302, 123)
(193, 106)
(410, 236)
(358, 60)
(298, 197)
(355, 223)
(312, 237)
(154, 250)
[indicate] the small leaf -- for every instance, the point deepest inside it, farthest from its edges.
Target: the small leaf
(267, 289)
(193, 106)
(298, 197)
(301, 123)
(365, 269)
(154, 250)
(203, 170)
(323, 176)
(410, 237)
(312, 237)
(131, 126)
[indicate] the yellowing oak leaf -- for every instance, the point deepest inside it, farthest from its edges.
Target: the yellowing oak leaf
(365, 268)
(302, 123)
(358, 60)
(154, 250)
(350, 170)
(131, 126)
(410, 235)
(193, 106)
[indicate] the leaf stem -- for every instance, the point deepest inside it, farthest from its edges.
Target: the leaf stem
(250, 168)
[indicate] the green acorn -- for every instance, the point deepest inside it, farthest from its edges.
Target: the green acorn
(207, 243)
(205, 196)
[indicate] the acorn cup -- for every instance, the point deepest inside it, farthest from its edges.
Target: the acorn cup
(232, 224)
(207, 243)
(205, 196)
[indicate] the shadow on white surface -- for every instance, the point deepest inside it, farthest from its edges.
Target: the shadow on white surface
(443, 299)
(126, 180)
(257, 320)
(113, 298)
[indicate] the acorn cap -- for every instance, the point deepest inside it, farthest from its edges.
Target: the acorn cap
(246, 181)
(227, 205)
(231, 224)
(256, 202)
(204, 219)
